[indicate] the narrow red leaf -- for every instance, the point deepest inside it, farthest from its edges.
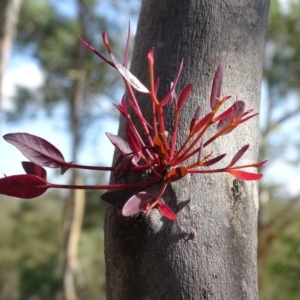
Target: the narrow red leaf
(228, 113)
(133, 140)
(128, 76)
(238, 155)
(244, 175)
(183, 96)
(236, 110)
(196, 118)
(202, 123)
(176, 174)
(137, 203)
(34, 169)
(213, 160)
(166, 211)
(24, 186)
(37, 150)
(216, 87)
(170, 92)
(89, 47)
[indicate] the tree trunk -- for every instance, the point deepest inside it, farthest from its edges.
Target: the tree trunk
(73, 280)
(151, 257)
(10, 16)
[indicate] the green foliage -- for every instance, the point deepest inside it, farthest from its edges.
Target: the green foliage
(282, 64)
(283, 266)
(30, 242)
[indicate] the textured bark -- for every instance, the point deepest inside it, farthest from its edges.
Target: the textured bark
(151, 257)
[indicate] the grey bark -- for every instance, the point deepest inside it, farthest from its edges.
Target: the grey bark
(151, 257)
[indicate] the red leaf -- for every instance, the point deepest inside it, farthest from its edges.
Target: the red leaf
(133, 139)
(89, 47)
(202, 123)
(37, 150)
(173, 86)
(244, 175)
(137, 203)
(24, 186)
(238, 155)
(196, 118)
(228, 113)
(183, 96)
(166, 211)
(34, 169)
(213, 160)
(216, 88)
(121, 145)
(176, 174)
(236, 110)
(128, 76)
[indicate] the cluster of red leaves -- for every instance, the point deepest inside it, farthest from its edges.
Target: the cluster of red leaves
(158, 156)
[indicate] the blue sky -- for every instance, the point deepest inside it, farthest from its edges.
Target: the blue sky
(102, 151)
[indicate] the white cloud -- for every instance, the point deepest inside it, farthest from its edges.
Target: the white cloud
(27, 74)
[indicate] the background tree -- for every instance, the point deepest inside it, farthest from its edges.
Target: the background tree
(278, 258)
(9, 18)
(50, 37)
(152, 257)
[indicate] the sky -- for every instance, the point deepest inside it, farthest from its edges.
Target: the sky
(102, 151)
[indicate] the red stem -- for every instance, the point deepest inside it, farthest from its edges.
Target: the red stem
(104, 186)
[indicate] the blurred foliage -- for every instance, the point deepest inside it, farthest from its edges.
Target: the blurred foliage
(30, 242)
(31, 231)
(283, 263)
(279, 222)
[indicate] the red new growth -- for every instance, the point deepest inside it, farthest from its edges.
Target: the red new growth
(157, 157)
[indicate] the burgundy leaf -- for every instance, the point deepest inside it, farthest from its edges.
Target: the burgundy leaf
(213, 160)
(183, 96)
(24, 186)
(37, 150)
(166, 211)
(124, 165)
(137, 203)
(238, 155)
(121, 145)
(118, 198)
(128, 76)
(34, 169)
(216, 88)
